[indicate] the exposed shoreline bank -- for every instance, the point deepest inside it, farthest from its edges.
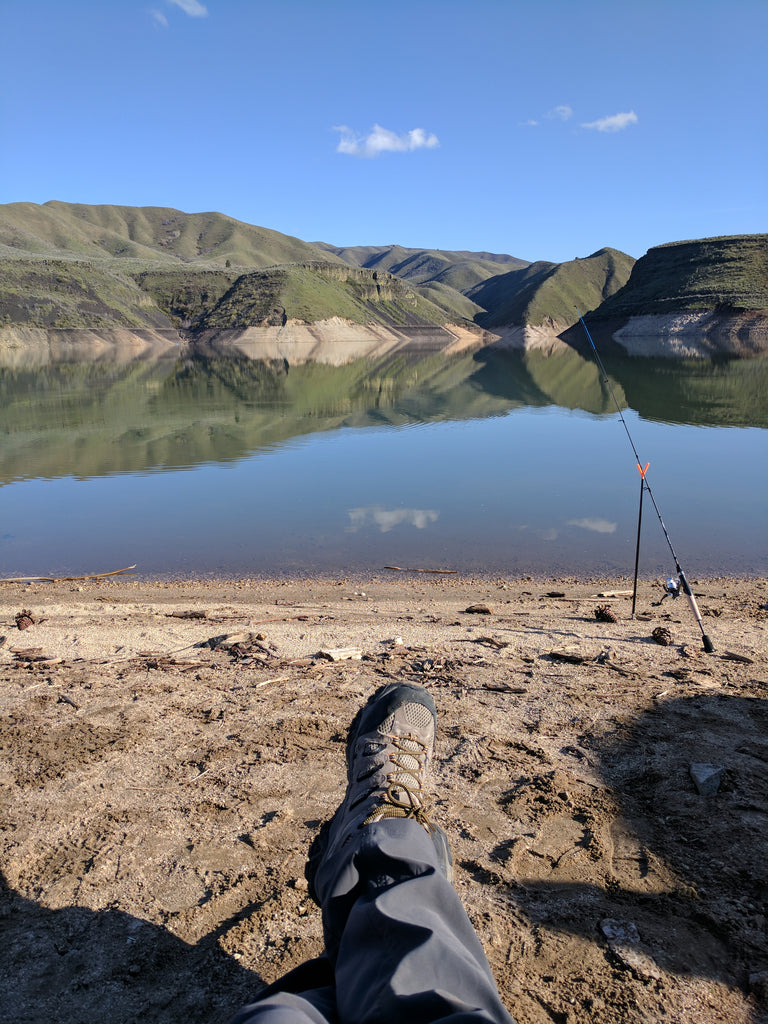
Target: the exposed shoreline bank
(168, 751)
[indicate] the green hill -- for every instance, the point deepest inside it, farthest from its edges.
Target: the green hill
(146, 233)
(68, 293)
(458, 269)
(728, 274)
(271, 297)
(73, 266)
(65, 265)
(544, 292)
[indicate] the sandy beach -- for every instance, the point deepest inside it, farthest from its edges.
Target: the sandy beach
(170, 749)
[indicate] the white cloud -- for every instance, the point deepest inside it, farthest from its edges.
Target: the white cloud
(191, 7)
(382, 140)
(614, 123)
(387, 519)
(562, 113)
(160, 18)
(595, 525)
(529, 124)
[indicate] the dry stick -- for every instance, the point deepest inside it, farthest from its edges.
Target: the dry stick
(443, 572)
(66, 579)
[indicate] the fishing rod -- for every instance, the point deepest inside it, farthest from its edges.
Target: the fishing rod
(670, 588)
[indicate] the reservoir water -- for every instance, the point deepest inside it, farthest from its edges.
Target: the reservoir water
(482, 462)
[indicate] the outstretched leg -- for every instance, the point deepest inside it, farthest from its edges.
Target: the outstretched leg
(398, 940)
(401, 942)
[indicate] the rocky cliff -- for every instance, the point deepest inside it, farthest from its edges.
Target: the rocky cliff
(692, 299)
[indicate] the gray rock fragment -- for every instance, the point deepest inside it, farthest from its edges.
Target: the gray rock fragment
(707, 777)
(624, 942)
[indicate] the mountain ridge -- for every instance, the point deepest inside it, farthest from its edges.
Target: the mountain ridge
(75, 266)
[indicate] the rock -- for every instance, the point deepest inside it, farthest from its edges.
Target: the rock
(620, 931)
(707, 777)
(624, 940)
(478, 609)
(570, 654)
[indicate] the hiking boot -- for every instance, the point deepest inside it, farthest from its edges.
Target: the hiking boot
(390, 744)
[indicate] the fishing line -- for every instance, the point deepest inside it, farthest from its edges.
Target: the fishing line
(708, 646)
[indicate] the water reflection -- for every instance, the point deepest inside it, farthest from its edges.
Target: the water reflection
(90, 419)
(595, 525)
(513, 460)
(388, 518)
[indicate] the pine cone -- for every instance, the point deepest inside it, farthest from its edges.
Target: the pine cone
(662, 636)
(24, 619)
(603, 613)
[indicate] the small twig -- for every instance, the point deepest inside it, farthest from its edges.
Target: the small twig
(629, 673)
(277, 679)
(444, 572)
(732, 656)
(65, 579)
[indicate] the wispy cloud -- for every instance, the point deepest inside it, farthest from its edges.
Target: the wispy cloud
(191, 7)
(388, 518)
(159, 18)
(562, 113)
(382, 140)
(613, 123)
(595, 525)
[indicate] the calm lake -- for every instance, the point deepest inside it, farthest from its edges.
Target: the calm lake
(483, 462)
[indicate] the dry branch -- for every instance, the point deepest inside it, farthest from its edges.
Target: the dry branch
(443, 572)
(65, 579)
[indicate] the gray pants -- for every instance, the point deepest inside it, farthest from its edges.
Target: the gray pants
(399, 945)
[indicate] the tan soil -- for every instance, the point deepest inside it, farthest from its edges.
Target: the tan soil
(158, 798)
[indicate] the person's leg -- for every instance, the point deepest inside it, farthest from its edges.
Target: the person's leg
(305, 995)
(283, 1008)
(401, 943)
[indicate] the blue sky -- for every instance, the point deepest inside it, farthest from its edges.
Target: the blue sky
(541, 129)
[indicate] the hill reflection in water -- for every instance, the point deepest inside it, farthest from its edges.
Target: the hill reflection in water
(479, 460)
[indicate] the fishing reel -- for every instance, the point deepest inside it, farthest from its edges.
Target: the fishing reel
(671, 589)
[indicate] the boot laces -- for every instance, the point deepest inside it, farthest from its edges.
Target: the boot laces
(403, 796)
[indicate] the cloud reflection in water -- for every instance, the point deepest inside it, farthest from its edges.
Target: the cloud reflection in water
(387, 519)
(595, 525)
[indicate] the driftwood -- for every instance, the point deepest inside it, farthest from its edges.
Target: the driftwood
(66, 579)
(504, 688)
(442, 572)
(340, 654)
(571, 656)
(732, 656)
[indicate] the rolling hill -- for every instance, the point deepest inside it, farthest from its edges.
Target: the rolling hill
(70, 266)
(711, 273)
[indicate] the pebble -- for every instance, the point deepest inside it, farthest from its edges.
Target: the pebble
(707, 777)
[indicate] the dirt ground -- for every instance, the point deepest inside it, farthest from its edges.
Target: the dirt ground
(160, 788)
